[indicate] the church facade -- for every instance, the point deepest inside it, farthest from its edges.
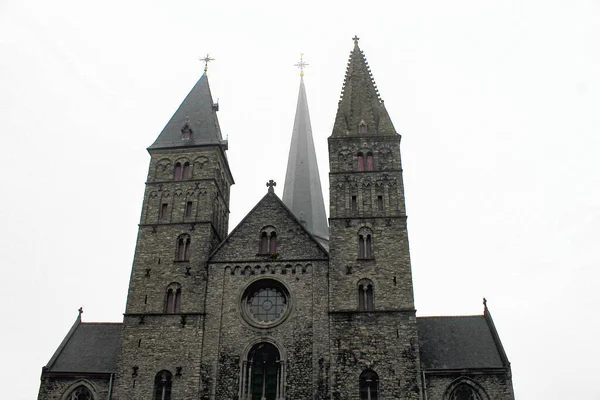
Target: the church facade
(286, 305)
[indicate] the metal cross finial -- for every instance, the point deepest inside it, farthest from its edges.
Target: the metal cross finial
(301, 64)
(271, 185)
(356, 39)
(485, 302)
(206, 60)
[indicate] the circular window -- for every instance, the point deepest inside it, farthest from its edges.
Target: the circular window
(265, 302)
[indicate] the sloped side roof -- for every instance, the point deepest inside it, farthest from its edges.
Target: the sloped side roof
(457, 343)
(92, 347)
(197, 111)
(294, 241)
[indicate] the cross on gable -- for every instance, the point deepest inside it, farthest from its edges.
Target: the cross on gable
(271, 185)
(356, 39)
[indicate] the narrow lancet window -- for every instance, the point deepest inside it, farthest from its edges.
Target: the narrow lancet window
(173, 300)
(360, 165)
(369, 385)
(162, 385)
(268, 241)
(177, 172)
(185, 174)
(184, 245)
(369, 162)
(365, 295)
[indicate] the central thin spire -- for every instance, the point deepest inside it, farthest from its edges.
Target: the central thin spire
(302, 191)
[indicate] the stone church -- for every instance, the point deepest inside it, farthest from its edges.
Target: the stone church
(289, 304)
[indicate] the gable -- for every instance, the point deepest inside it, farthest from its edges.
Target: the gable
(294, 242)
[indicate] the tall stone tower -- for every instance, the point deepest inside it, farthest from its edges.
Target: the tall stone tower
(372, 314)
(184, 217)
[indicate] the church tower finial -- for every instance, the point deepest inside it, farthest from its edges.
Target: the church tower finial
(206, 60)
(301, 64)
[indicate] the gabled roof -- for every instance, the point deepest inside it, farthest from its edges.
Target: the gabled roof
(360, 101)
(302, 191)
(87, 348)
(463, 342)
(198, 112)
(294, 241)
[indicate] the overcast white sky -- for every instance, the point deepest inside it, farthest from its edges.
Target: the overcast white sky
(497, 103)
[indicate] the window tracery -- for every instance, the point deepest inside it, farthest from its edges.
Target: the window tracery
(81, 393)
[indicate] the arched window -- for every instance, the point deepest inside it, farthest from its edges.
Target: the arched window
(184, 244)
(262, 373)
(360, 163)
(177, 172)
(162, 385)
(369, 161)
(369, 385)
(173, 300)
(268, 240)
(185, 174)
(464, 392)
(365, 295)
(365, 244)
(81, 393)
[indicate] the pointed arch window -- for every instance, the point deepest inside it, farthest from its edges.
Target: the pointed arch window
(263, 373)
(184, 244)
(360, 162)
(464, 392)
(173, 298)
(369, 385)
(365, 244)
(81, 393)
(365, 295)
(162, 385)
(268, 240)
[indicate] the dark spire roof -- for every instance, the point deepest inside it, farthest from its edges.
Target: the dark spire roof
(198, 115)
(360, 101)
(302, 191)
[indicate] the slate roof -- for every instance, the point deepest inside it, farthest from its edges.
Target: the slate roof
(302, 191)
(458, 343)
(199, 112)
(360, 101)
(88, 348)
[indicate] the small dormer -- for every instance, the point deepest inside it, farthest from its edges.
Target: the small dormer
(186, 132)
(362, 127)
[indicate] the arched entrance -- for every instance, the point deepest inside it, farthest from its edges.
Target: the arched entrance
(262, 373)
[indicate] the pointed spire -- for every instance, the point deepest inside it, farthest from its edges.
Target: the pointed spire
(195, 121)
(361, 110)
(302, 190)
